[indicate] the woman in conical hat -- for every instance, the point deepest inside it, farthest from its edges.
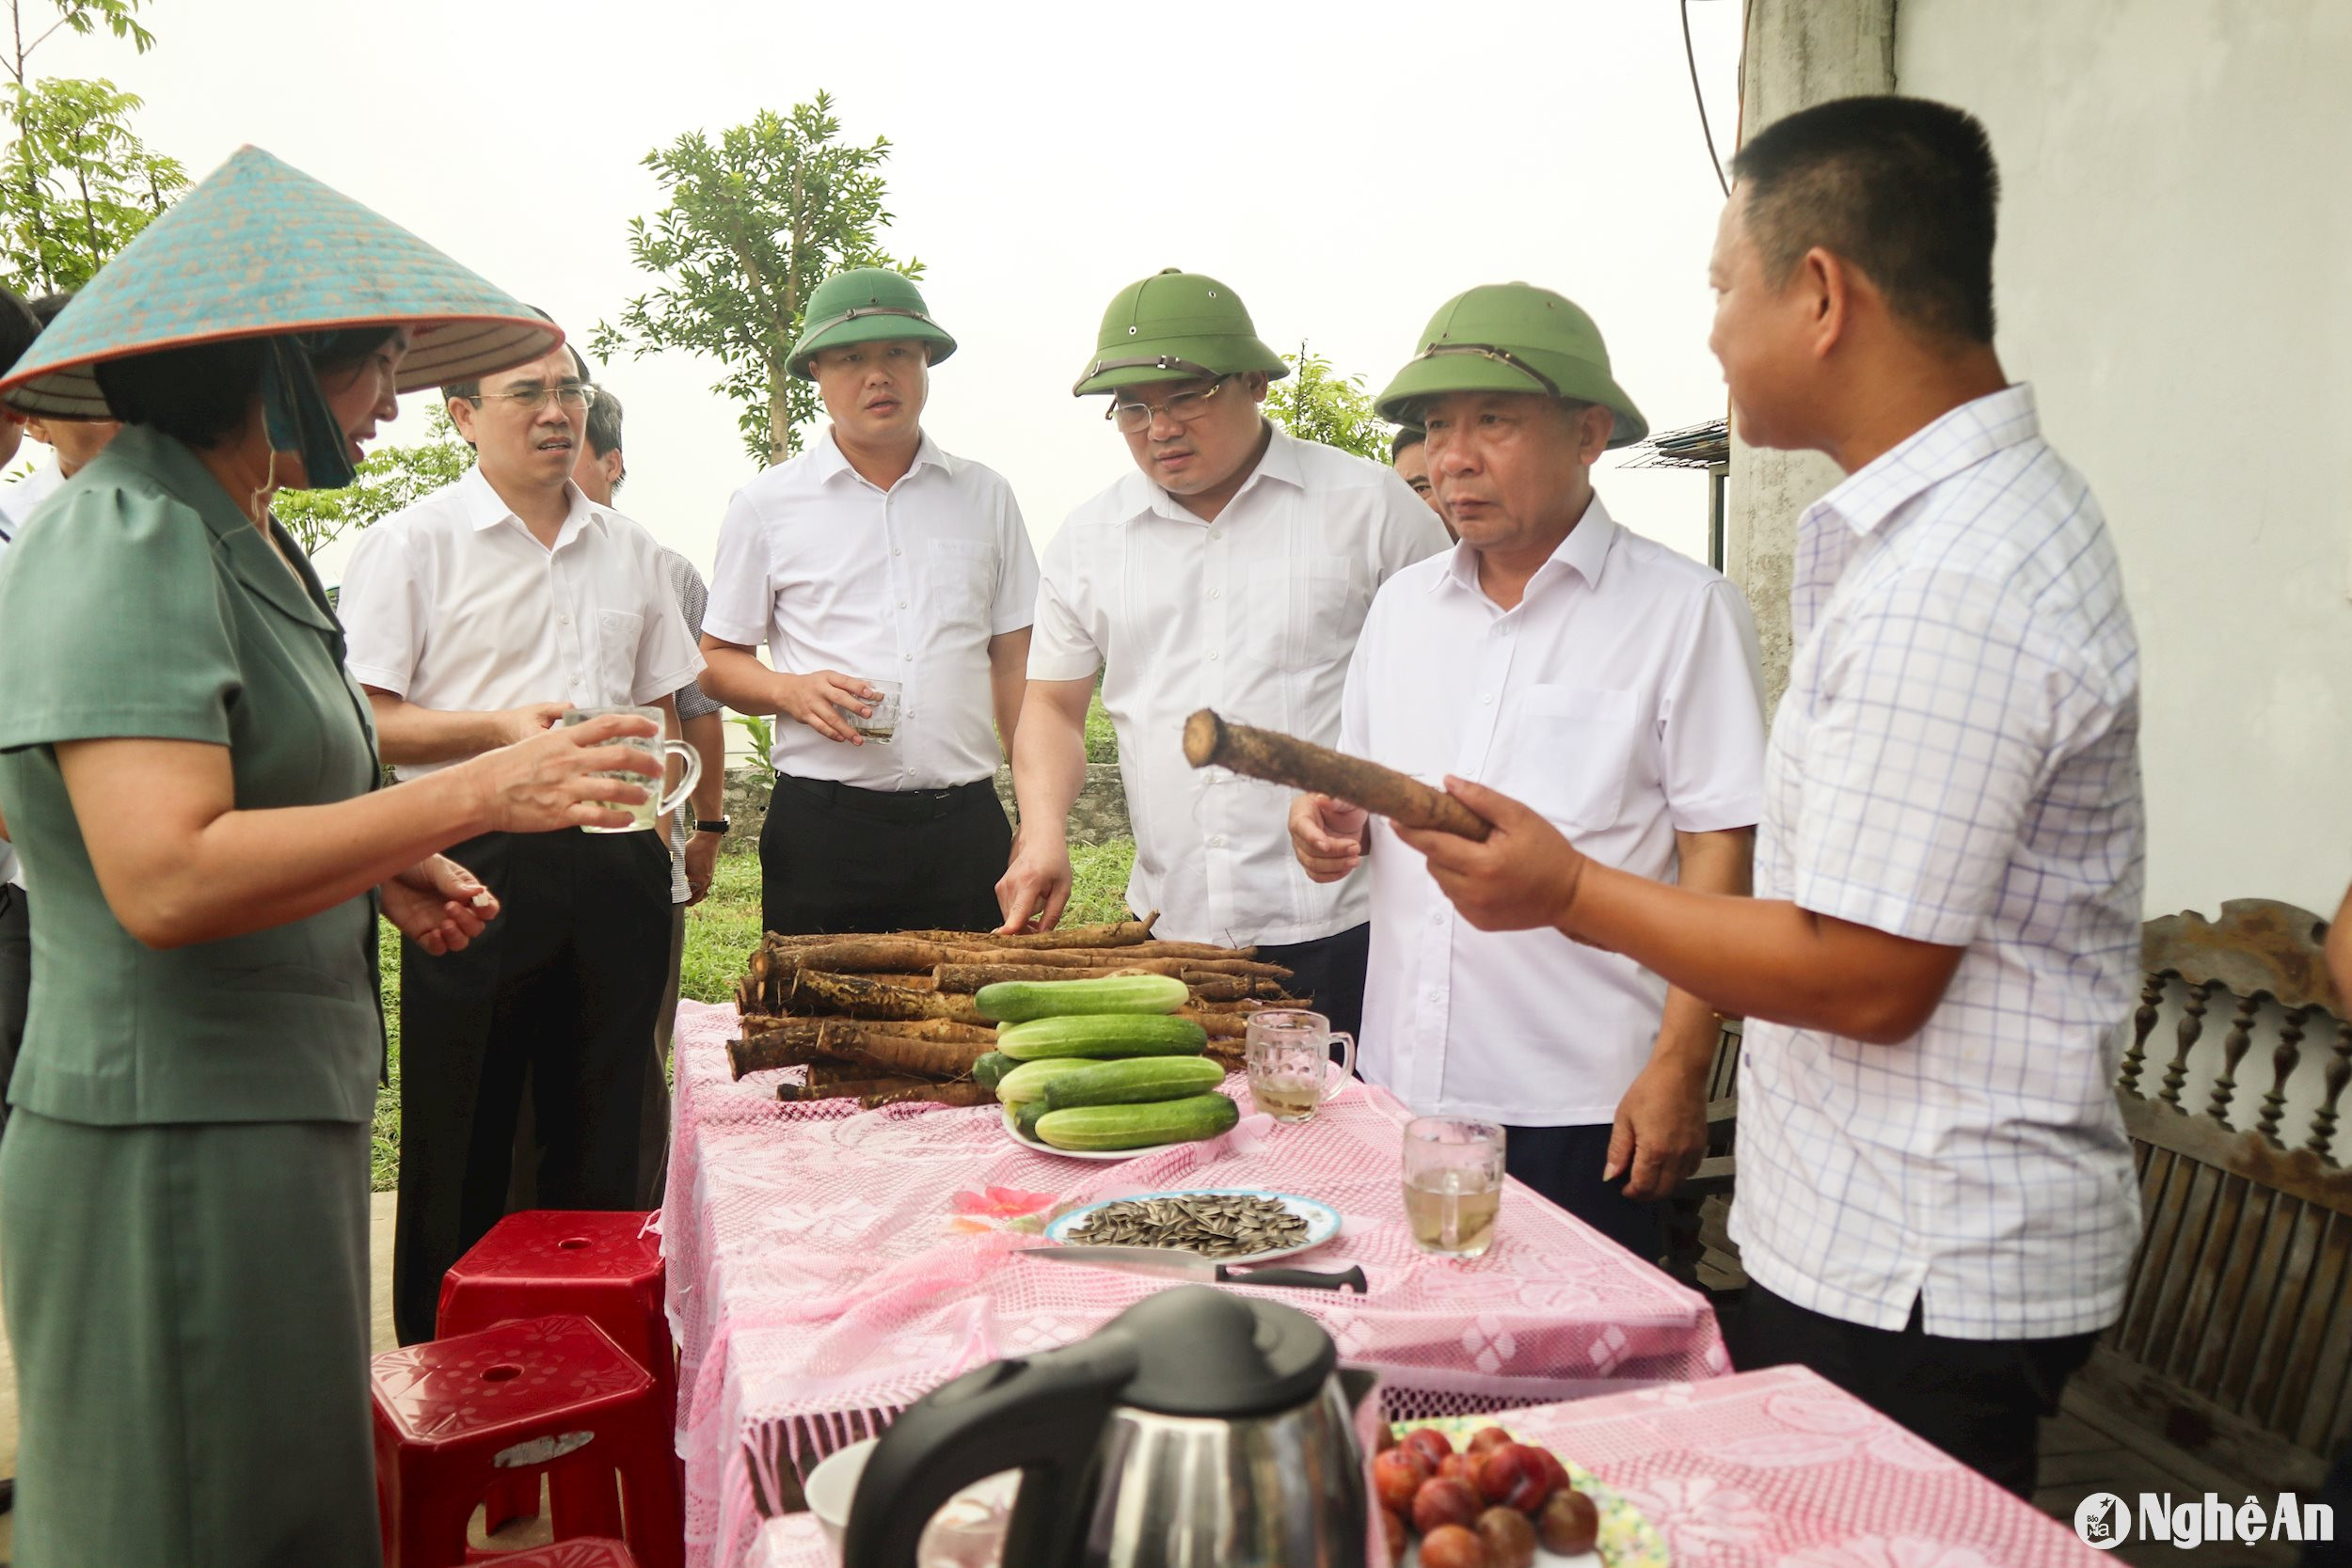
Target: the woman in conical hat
(191, 780)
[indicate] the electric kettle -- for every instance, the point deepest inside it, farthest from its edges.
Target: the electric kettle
(1198, 1429)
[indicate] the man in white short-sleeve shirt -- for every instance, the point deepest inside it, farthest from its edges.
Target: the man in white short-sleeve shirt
(881, 572)
(1604, 679)
(476, 618)
(1232, 570)
(1937, 1206)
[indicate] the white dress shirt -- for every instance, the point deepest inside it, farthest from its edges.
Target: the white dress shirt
(453, 605)
(906, 584)
(1623, 700)
(28, 490)
(1254, 615)
(1956, 761)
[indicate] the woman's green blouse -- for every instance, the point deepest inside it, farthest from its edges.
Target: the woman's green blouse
(140, 602)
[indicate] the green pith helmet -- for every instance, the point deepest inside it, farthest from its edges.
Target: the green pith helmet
(1511, 338)
(1173, 326)
(866, 305)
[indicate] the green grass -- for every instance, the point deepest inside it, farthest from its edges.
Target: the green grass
(1102, 745)
(721, 932)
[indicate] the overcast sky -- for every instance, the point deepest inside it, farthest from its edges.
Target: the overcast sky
(1344, 168)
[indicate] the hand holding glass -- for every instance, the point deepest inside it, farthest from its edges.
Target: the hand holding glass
(1290, 1061)
(883, 722)
(644, 813)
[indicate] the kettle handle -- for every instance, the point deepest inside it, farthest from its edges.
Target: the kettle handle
(1043, 1416)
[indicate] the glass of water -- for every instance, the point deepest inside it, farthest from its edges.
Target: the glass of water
(642, 815)
(1291, 1070)
(881, 724)
(1452, 1184)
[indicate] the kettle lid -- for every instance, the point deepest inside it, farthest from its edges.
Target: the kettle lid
(1205, 1352)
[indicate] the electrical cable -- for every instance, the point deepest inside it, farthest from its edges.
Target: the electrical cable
(1691, 58)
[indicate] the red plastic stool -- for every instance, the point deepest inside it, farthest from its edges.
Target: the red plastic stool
(549, 1396)
(583, 1552)
(602, 1265)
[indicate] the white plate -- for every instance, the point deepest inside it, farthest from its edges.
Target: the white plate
(1091, 1153)
(1323, 1221)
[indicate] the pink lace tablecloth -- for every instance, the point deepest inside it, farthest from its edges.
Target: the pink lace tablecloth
(827, 1267)
(1771, 1469)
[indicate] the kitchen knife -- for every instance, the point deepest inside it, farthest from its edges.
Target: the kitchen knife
(1173, 1264)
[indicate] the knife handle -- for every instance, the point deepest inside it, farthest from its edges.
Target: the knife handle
(1307, 1280)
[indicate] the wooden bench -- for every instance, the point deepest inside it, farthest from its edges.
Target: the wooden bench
(2236, 1342)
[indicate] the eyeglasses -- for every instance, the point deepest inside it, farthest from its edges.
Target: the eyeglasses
(530, 398)
(1183, 408)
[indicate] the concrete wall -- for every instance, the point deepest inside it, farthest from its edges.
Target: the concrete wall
(1797, 52)
(2175, 276)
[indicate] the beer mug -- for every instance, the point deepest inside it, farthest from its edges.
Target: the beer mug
(644, 813)
(1290, 1061)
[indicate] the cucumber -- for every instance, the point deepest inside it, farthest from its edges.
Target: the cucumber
(1166, 1121)
(1135, 1080)
(1018, 1001)
(1106, 1034)
(1027, 1080)
(988, 1070)
(1025, 1117)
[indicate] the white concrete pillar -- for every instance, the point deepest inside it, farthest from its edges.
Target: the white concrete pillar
(1797, 52)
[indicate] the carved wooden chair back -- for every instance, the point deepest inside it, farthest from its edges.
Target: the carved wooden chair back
(2235, 1341)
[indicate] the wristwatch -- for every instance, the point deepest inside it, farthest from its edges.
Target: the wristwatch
(710, 824)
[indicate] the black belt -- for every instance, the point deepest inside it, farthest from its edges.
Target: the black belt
(900, 805)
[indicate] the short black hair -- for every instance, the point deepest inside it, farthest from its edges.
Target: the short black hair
(604, 423)
(1904, 188)
(204, 391)
(19, 326)
(1407, 436)
(46, 308)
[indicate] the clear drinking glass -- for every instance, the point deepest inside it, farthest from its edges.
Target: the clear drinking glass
(881, 724)
(1452, 1184)
(1290, 1061)
(641, 815)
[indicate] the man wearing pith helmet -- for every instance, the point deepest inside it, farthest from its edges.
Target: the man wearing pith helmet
(1231, 570)
(1607, 681)
(879, 571)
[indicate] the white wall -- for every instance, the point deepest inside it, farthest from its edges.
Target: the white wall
(2175, 278)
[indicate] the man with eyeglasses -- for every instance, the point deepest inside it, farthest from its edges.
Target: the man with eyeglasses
(1232, 570)
(874, 563)
(1607, 680)
(476, 618)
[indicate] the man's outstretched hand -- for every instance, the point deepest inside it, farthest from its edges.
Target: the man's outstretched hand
(1523, 877)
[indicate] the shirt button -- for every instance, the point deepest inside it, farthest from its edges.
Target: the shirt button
(1216, 840)
(562, 620)
(1215, 591)
(1436, 917)
(894, 549)
(1485, 696)
(907, 658)
(903, 604)
(1212, 655)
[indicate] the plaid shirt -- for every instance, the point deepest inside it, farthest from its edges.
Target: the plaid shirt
(1957, 762)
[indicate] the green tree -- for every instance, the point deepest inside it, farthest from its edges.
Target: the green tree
(1315, 405)
(754, 222)
(388, 480)
(76, 183)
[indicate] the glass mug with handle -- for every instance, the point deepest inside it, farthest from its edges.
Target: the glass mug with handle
(645, 812)
(1289, 1054)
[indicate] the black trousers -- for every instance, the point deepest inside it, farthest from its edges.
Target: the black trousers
(1979, 1401)
(1564, 1165)
(1330, 970)
(835, 858)
(16, 983)
(564, 983)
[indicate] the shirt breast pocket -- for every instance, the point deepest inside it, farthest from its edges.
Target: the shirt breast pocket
(618, 632)
(1304, 612)
(1572, 751)
(964, 581)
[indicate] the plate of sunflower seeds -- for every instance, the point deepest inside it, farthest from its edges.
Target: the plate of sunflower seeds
(1232, 1224)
